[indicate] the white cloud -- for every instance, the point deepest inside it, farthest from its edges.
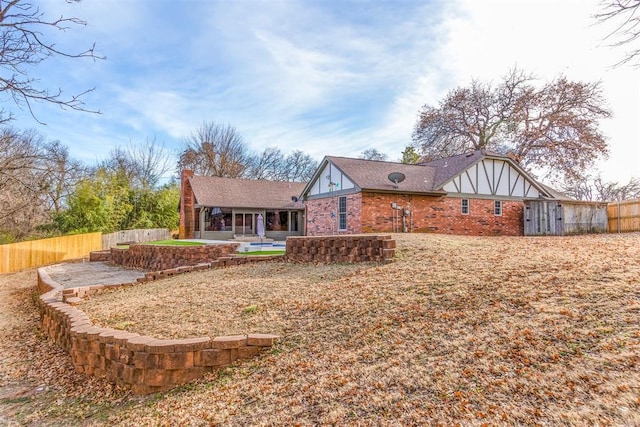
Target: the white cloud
(548, 38)
(322, 77)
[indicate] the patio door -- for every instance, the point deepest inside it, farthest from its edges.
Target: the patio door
(245, 223)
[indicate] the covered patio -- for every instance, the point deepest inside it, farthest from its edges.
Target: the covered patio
(215, 208)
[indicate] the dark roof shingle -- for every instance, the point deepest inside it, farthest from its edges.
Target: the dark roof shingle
(450, 167)
(373, 174)
(245, 193)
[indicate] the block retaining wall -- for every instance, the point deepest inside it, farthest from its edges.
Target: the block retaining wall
(344, 248)
(142, 363)
(81, 291)
(148, 365)
(100, 256)
(154, 257)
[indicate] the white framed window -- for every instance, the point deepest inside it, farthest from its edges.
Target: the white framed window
(497, 207)
(342, 213)
(464, 206)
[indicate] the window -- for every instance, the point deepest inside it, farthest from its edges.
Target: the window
(281, 221)
(464, 206)
(342, 213)
(270, 221)
(277, 221)
(217, 219)
(497, 207)
(245, 223)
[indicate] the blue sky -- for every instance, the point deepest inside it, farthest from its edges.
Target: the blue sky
(325, 77)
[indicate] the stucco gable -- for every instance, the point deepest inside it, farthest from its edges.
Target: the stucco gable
(495, 176)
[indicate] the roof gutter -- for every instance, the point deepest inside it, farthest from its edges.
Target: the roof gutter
(400, 191)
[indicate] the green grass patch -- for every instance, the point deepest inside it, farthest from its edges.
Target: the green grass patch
(172, 242)
(258, 253)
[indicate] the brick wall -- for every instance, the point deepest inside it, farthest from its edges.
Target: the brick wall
(346, 248)
(142, 363)
(155, 257)
(319, 221)
(187, 213)
(428, 214)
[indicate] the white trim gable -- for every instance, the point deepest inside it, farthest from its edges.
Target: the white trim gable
(493, 177)
(330, 179)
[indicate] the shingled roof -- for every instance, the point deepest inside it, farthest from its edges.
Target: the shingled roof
(245, 193)
(426, 177)
(373, 175)
(450, 167)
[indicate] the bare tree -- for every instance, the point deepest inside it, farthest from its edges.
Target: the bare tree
(266, 165)
(215, 150)
(24, 182)
(275, 166)
(626, 19)
(154, 161)
(299, 167)
(552, 128)
(18, 157)
(23, 46)
(597, 189)
(141, 165)
(373, 154)
(62, 173)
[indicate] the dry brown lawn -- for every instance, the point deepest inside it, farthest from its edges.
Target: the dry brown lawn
(468, 330)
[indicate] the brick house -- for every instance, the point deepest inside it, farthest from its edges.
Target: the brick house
(477, 193)
(226, 208)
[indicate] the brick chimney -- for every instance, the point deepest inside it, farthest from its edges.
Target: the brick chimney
(187, 212)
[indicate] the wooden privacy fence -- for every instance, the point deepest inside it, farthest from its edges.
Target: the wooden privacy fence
(137, 236)
(624, 216)
(566, 217)
(35, 253)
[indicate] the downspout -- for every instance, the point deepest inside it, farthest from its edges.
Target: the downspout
(304, 223)
(410, 213)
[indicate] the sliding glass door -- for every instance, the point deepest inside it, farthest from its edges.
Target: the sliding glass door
(245, 223)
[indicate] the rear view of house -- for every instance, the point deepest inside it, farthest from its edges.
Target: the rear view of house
(477, 193)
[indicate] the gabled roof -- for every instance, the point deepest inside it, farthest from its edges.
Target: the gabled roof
(373, 174)
(426, 177)
(245, 193)
(450, 167)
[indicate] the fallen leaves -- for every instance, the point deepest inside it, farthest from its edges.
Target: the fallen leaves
(458, 330)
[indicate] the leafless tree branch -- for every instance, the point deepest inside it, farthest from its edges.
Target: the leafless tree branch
(552, 127)
(22, 46)
(625, 16)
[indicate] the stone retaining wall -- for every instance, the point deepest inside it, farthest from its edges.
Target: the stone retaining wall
(142, 363)
(148, 365)
(344, 248)
(100, 256)
(155, 257)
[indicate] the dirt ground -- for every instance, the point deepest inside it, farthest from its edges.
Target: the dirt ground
(458, 330)
(38, 385)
